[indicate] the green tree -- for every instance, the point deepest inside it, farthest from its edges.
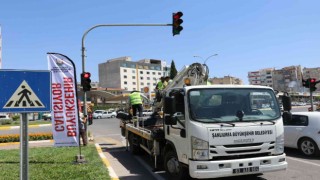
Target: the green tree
(173, 70)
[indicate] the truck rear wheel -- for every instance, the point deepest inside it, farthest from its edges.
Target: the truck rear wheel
(172, 166)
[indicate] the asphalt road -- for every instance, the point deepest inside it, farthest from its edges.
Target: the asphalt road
(127, 166)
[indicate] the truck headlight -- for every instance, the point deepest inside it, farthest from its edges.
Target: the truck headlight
(200, 149)
(279, 147)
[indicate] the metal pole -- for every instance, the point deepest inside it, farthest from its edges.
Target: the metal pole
(24, 147)
(83, 52)
(311, 99)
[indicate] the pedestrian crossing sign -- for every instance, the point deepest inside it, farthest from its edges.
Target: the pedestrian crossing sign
(25, 91)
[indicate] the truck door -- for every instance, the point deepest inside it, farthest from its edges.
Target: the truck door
(177, 133)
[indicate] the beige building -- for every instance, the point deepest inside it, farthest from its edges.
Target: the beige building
(123, 73)
(262, 77)
(225, 80)
(288, 79)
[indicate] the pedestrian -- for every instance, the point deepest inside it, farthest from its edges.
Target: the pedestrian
(83, 130)
(135, 101)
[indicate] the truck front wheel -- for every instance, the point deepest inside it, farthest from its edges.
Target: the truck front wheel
(173, 167)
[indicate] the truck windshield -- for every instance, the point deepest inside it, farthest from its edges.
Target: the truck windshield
(233, 105)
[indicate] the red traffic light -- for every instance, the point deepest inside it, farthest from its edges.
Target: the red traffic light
(312, 80)
(177, 15)
(87, 75)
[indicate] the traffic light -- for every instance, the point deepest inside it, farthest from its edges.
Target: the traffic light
(86, 81)
(305, 83)
(312, 82)
(176, 23)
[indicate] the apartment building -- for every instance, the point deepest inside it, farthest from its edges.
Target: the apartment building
(225, 80)
(262, 77)
(125, 74)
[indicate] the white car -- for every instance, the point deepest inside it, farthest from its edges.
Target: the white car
(108, 114)
(147, 112)
(46, 116)
(4, 116)
(303, 132)
(97, 114)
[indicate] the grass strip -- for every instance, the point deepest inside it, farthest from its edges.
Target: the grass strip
(54, 163)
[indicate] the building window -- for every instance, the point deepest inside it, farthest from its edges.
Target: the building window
(125, 88)
(134, 89)
(159, 73)
(133, 83)
(154, 73)
(125, 76)
(148, 72)
(148, 84)
(148, 78)
(142, 83)
(141, 72)
(124, 70)
(141, 78)
(133, 71)
(133, 77)
(125, 82)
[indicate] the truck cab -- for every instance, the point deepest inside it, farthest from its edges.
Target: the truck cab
(222, 130)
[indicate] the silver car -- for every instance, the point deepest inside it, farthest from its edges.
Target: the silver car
(108, 114)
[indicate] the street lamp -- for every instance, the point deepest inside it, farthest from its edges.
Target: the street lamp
(206, 58)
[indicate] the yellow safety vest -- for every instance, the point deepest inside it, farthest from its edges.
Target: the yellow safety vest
(135, 98)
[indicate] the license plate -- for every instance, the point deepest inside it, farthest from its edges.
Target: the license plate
(245, 170)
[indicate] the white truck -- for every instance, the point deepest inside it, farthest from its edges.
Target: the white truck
(211, 131)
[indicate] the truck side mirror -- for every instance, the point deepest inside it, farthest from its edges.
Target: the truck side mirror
(287, 117)
(169, 105)
(286, 101)
(169, 120)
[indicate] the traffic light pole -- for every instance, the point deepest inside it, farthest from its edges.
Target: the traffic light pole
(83, 49)
(311, 100)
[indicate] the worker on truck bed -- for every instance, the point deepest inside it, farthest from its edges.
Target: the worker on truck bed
(135, 101)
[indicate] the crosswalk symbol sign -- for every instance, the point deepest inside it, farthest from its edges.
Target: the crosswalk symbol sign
(24, 97)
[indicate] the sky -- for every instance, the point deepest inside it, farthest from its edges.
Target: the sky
(247, 35)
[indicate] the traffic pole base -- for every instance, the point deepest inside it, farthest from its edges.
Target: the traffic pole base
(80, 159)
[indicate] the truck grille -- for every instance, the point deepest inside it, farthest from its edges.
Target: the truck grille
(241, 149)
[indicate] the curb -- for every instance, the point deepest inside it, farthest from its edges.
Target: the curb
(105, 161)
(30, 126)
(30, 142)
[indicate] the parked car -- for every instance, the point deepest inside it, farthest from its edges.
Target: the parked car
(303, 132)
(97, 114)
(46, 116)
(147, 112)
(4, 116)
(108, 114)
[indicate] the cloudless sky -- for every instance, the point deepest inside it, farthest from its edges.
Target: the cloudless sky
(248, 35)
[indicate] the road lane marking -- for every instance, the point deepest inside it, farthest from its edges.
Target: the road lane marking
(307, 162)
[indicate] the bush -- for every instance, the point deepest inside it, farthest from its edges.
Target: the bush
(16, 117)
(32, 137)
(5, 121)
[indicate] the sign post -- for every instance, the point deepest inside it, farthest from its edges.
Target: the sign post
(24, 92)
